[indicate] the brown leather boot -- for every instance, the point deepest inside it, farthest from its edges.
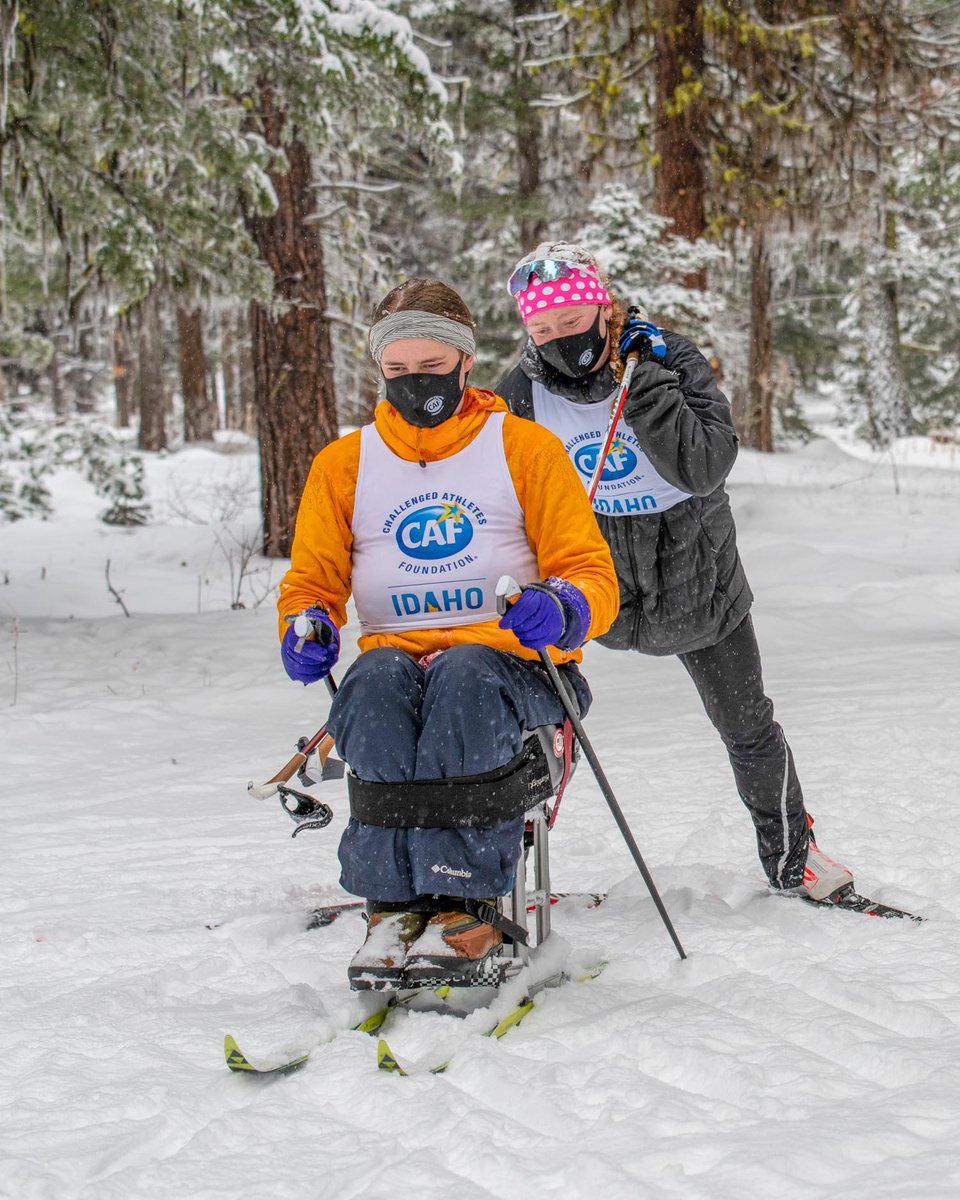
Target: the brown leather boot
(378, 965)
(456, 949)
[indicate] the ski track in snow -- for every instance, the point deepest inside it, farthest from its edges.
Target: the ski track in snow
(796, 1051)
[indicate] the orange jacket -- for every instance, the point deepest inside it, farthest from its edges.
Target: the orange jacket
(560, 525)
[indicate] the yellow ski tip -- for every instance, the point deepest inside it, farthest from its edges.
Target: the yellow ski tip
(513, 1017)
(236, 1059)
(386, 1060)
(372, 1023)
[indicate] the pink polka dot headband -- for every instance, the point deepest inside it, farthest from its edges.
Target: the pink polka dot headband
(550, 282)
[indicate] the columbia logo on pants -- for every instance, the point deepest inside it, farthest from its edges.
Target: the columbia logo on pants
(445, 870)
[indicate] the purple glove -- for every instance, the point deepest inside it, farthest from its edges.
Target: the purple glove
(308, 661)
(554, 613)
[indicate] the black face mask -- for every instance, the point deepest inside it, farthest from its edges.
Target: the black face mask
(426, 400)
(576, 355)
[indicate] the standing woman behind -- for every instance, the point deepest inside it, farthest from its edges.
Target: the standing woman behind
(417, 515)
(663, 509)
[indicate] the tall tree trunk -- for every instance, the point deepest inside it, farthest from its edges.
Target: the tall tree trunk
(889, 412)
(82, 375)
(248, 392)
(9, 17)
(527, 130)
(888, 397)
(123, 371)
(232, 412)
(292, 352)
(199, 405)
(151, 399)
(213, 391)
(58, 394)
(758, 429)
(678, 181)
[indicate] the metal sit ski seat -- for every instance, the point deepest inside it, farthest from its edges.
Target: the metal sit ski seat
(561, 753)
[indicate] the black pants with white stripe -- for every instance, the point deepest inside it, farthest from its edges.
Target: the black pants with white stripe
(729, 678)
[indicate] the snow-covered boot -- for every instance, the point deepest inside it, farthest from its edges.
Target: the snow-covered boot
(822, 876)
(378, 965)
(455, 948)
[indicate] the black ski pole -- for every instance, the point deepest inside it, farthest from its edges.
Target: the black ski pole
(508, 587)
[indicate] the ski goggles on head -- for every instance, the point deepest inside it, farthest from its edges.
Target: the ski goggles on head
(547, 270)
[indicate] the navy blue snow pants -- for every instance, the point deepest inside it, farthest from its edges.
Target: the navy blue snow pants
(463, 714)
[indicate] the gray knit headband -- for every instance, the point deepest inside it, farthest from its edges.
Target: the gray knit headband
(412, 323)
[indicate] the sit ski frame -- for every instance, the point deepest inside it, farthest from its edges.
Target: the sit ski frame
(308, 812)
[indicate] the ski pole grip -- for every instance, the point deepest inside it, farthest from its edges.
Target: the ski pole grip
(307, 628)
(636, 313)
(508, 590)
(312, 627)
(632, 359)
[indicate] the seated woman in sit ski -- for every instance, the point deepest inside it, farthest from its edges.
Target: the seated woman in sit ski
(418, 515)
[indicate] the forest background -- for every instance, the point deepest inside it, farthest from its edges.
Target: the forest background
(204, 199)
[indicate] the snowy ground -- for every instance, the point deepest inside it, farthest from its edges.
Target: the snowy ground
(795, 1052)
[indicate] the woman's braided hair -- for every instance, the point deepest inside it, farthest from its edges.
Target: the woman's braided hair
(618, 319)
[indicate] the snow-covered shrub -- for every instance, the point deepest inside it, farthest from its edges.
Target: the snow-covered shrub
(22, 490)
(116, 473)
(32, 446)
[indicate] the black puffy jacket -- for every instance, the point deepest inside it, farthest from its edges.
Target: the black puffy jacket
(682, 585)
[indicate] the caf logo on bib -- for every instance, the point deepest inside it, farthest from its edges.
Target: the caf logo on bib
(621, 460)
(434, 531)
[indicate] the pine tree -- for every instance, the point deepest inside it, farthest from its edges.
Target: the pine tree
(889, 87)
(297, 71)
(158, 137)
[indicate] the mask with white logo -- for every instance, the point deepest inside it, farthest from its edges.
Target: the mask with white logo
(576, 355)
(426, 400)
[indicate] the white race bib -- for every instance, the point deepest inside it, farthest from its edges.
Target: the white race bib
(629, 484)
(430, 544)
